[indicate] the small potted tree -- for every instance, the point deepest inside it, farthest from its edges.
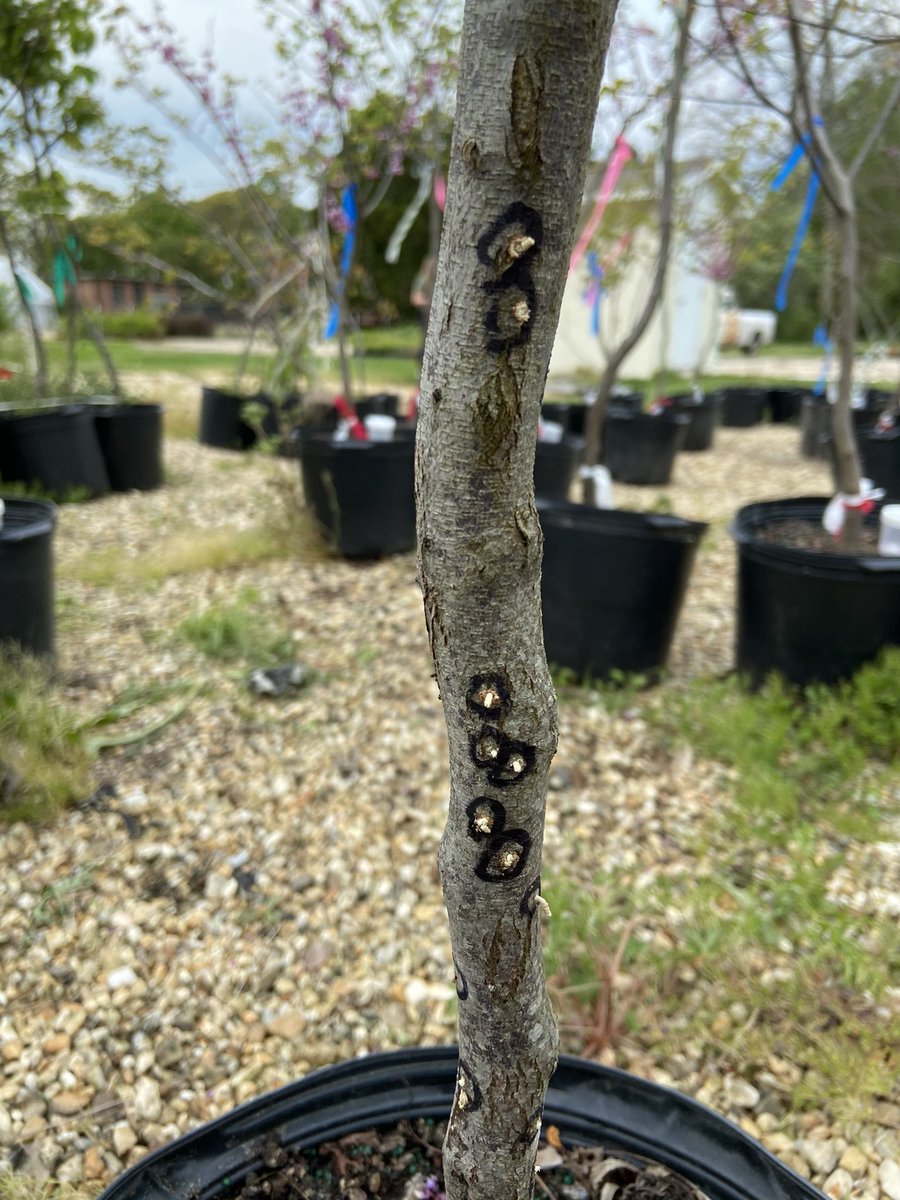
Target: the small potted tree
(521, 140)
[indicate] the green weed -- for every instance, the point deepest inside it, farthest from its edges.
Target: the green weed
(184, 552)
(797, 756)
(43, 763)
(238, 632)
(752, 951)
(618, 694)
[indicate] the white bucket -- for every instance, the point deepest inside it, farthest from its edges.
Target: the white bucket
(550, 431)
(889, 531)
(379, 427)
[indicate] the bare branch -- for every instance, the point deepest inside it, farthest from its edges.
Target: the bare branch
(876, 130)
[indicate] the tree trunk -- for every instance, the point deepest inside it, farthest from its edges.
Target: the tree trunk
(40, 352)
(597, 412)
(528, 85)
(846, 454)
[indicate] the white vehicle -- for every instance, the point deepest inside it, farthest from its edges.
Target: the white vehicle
(744, 328)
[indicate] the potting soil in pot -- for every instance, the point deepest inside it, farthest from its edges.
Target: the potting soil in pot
(311, 1134)
(404, 1163)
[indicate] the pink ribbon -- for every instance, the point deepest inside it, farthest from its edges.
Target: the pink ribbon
(622, 152)
(440, 191)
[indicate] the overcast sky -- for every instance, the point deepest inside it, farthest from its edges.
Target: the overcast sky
(243, 47)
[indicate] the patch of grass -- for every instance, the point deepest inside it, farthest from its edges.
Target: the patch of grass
(399, 340)
(376, 373)
(43, 762)
(746, 947)
(797, 756)
(238, 632)
(618, 694)
(184, 552)
(16, 1186)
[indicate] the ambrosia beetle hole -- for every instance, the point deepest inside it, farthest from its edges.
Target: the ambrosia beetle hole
(505, 856)
(506, 760)
(486, 747)
(486, 817)
(488, 696)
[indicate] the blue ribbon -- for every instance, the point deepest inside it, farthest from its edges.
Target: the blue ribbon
(812, 190)
(594, 290)
(348, 207)
(821, 338)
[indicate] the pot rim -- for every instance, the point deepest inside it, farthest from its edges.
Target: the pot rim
(590, 1103)
(26, 517)
(620, 522)
(751, 517)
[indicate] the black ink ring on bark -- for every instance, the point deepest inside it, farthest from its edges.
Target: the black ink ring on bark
(507, 247)
(486, 817)
(528, 903)
(507, 761)
(533, 1127)
(488, 697)
(468, 1093)
(531, 225)
(462, 984)
(505, 856)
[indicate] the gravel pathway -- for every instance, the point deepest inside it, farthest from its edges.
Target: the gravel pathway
(257, 895)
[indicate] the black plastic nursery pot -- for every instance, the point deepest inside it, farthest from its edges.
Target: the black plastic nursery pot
(223, 423)
(590, 1105)
(742, 407)
(54, 448)
(555, 466)
(811, 617)
(558, 413)
(702, 417)
(131, 441)
(639, 448)
(881, 459)
(784, 404)
(612, 587)
(572, 416)
(26, 575)
(815, 426)
(361, 493)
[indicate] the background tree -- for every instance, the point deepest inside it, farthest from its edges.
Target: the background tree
(528, 84)
(46, 102)
(797, 64)
(666, 218)
(355, 89)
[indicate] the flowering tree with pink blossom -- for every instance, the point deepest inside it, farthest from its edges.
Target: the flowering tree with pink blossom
(358, 99)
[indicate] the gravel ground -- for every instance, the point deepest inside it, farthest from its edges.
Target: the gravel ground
(258, 895)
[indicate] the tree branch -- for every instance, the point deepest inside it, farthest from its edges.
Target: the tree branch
(876, 130)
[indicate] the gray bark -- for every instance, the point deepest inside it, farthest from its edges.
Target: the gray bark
(528, 85)
(618, 355)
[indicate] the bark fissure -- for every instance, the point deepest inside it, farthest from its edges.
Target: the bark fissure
(520, 144)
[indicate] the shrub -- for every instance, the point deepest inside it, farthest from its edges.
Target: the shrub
(141, 323)
(187, 324)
